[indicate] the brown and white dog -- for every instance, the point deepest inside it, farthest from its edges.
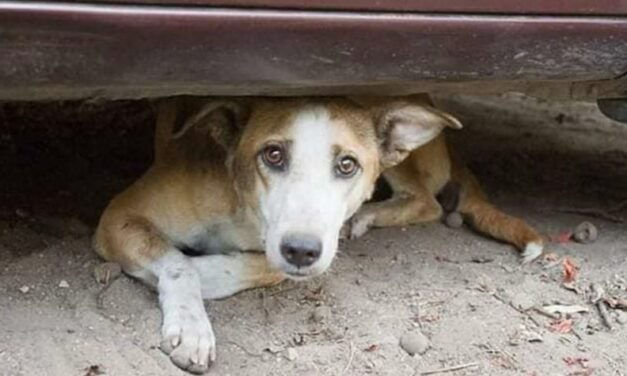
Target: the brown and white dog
(260, 188)
(233, 177)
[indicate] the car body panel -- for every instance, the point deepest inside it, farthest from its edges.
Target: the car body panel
(69, 50)
(555, 7)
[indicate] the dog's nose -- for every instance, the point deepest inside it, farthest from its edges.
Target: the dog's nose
(301, 250)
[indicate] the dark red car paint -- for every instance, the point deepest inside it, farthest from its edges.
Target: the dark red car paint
(51, 50)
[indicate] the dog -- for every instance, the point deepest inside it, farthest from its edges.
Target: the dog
(435, 170)
(244, 193)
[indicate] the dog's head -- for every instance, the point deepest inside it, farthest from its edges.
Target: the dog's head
(304, 166)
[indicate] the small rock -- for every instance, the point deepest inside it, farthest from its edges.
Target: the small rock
(414, 342)
(22, 213)
(291, 354)
(621, 317)
(320, 314)
(508, 268)
(486, 284)
(266, 357)
(454, 220)
(63, 284)
(522, 302)
(522, 334)
(24, 289)
(585, 233)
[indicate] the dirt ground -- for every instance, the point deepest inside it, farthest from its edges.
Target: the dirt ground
(478, 308)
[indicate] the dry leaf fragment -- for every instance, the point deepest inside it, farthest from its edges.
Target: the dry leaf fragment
(616, 303)
(561, 326)
(570, 270)
(573, 361)
(563, 237)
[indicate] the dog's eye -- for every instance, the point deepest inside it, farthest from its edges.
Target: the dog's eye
(273, 156)
(346, 167)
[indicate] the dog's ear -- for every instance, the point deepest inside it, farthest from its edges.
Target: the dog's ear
(404, 126)
(222, 120)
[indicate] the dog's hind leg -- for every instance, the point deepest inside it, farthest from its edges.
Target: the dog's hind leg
(410, 209)
(487, 219)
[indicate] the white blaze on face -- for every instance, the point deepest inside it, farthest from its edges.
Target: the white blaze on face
(307, 199)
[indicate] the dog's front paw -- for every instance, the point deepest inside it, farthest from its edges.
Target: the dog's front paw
(189, 340)
(360, 223)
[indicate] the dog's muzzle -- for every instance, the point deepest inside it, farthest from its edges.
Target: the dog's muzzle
(301, 250)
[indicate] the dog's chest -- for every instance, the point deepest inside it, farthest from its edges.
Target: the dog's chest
(225, 235)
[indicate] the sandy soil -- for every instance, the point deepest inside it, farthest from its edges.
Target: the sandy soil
(60, 163)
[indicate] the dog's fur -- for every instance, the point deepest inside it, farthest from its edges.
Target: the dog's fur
(433, 169)
(213, 191)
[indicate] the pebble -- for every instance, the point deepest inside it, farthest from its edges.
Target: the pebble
(522, 334)
(486, 284)
(522, 302)
(586, 233)
(63, 284)
(22, 213)
(621, 318)
(321, 314)
(454, 220)
(24, 289)
(291, 354)
(414, 342)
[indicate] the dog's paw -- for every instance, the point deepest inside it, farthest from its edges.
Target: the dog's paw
(189, 340)
(360, 224)
(531, 252)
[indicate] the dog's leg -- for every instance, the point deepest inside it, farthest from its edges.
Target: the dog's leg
(186, 332)
(228, 274)
(182, 282)
(420, 207)
(486, 218)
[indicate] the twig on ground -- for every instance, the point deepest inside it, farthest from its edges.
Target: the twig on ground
(244, 349)
(266, 311)
(599, 301)
(449, 369)
(283, 291)
(598, 213)
(604, 315)
(546, 313)
(615, 367)
(494, 351)
(526, 313)
(417, 318)
(351, 355)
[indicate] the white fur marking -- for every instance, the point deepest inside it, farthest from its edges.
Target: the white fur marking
(532, 251)
(309, 199)
(360, 224)
(187, 334)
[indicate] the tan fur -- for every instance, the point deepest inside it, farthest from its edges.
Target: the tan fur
(419, 178)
